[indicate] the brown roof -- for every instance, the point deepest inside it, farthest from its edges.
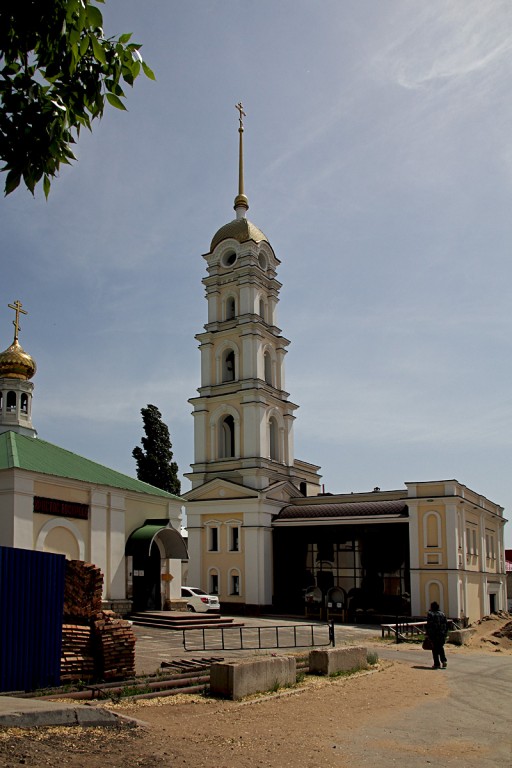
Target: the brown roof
(350, 509)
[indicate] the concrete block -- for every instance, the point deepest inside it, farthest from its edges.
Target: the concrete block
(328, 661)
(460, 636)
(236, 679)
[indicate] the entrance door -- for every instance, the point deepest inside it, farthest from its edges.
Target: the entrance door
(146, 581)
(492, 603)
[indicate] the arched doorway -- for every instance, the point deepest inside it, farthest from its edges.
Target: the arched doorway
(146, 548)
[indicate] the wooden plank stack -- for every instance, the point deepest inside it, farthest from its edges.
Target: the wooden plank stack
(115, 645)
(77, 660)
(82, 590)
(96, 644)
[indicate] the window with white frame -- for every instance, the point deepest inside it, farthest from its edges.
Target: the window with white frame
(234, 538)
(234, 583)
(214, 583)
(213, 538)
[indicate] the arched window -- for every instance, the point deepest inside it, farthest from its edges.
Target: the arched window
(11, 401)
(234, 582)
(213, 582)
(230, 308)
(268, 367)
(273, 435)
(24, 403)
(227, 437)
(228, 365)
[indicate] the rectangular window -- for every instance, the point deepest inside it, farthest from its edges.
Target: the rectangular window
(234, 544)
(213, 543)
(214, 583)
(235, 584)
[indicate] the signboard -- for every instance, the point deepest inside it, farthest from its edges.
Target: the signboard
(59, 508)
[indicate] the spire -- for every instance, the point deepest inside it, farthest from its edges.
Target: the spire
(241, 203)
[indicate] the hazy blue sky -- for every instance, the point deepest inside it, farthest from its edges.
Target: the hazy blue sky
(378, 163)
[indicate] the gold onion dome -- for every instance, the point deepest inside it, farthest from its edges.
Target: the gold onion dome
(15, 363)
(239, 229)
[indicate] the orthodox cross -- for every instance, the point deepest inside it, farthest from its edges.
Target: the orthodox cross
(17, 306)
(240, 108)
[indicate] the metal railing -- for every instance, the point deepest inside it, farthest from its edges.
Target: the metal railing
(243, 638)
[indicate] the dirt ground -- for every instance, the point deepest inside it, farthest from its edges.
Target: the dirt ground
(301, 727)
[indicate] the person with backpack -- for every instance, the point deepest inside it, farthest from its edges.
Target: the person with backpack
(437, 629)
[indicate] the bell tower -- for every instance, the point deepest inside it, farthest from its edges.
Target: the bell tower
(16, 370)
(242, 416)
(244, 468)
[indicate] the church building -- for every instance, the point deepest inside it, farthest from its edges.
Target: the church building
(261, 533)
(53, 500)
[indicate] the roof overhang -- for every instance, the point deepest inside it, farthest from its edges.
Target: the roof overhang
(141, 540)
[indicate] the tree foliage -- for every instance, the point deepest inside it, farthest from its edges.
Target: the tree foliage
(57, 70)
(154, 463)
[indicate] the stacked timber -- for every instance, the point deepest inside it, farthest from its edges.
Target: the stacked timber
(115, 646)
(82, 590)
(77, 659)
(96, 644)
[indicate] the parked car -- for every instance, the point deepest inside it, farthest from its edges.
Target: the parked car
(198, 600)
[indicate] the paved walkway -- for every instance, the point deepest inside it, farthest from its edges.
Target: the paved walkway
(153, 647)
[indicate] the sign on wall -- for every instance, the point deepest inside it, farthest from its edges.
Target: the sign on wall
(59, 508)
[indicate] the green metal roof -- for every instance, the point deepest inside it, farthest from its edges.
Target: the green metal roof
(35, 455)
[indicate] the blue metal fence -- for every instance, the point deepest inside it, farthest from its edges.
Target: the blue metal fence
(31, 608)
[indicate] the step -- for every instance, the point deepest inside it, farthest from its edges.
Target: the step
(180, 620)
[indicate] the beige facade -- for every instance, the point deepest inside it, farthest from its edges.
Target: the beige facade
(91, 523)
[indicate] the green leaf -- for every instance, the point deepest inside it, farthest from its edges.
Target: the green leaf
(148, 72)
(84, 44)
(12, 181)
(115, 101)
(99, 53)
(124, 38)
(46, 185)
(94, 16)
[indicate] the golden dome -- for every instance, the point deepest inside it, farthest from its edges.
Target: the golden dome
(241, 230)
(15, 363)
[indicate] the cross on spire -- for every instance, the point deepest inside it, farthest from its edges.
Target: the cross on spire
(241, 202)
(17, 306)
(242, 114)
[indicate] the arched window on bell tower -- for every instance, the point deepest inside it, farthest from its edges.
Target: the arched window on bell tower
(228, 365)
(11, 401)
(230, 308)
(273, 436)
(226, 437)
(267, 361)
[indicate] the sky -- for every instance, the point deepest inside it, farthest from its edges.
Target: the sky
(378, 162)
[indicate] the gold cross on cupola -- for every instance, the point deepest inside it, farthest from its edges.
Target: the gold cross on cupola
(17, 306)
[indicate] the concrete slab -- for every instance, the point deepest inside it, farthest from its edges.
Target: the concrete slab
(32, 713)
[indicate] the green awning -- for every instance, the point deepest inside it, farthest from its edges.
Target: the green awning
(141, 540)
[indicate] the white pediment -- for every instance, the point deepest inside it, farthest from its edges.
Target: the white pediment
(220, 489)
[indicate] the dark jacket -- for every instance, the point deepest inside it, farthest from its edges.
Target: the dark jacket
(437, 626)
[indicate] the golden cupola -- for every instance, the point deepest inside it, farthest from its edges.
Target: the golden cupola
(15, 363)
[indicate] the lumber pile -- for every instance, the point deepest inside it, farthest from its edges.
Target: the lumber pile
(115, 644)
(77, 658)
(96, 644)
(83, 588)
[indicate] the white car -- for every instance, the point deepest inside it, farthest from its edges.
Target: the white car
(199, 601)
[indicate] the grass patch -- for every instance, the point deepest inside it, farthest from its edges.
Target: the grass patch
(372, 658)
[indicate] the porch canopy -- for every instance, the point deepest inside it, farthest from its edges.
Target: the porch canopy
(141, 540)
